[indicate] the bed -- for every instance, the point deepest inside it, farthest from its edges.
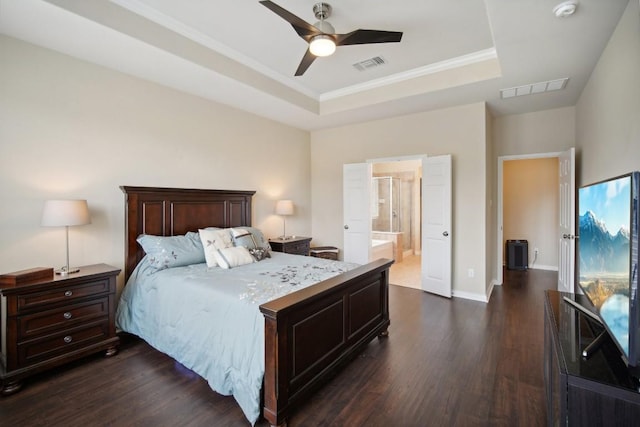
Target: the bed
(308, 334)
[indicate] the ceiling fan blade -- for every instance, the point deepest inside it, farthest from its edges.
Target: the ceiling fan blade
(368, 36)
(307, 59)
(303, 28)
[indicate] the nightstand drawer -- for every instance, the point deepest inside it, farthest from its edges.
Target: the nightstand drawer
(301, 248)
(37, 350)
(62, 293)
(61, 317)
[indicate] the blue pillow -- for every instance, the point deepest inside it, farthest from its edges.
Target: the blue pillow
(172, 251)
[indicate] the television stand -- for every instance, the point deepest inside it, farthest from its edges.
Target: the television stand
(597, 342)
(598, 390)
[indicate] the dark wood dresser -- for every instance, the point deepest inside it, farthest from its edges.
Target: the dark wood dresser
(55, 321)
(598, 391)
(295, 245)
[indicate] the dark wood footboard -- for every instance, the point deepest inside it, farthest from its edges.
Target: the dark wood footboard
(312, 332)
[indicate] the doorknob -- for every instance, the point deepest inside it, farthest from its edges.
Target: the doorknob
(346, 227)
(445, 234)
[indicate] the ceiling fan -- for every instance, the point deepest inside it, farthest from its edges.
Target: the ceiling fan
(322, 37)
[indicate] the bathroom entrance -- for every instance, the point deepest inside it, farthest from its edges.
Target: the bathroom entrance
(395, 218)
(430, 233)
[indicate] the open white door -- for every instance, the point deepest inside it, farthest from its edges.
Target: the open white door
(436, 225)
(357, 212)
(567, 228)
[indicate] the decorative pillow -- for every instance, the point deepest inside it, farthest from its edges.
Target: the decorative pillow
(212, 240)
(259, 253)
(260, 240)
(233, 257)
(243, 237)
(172, 251)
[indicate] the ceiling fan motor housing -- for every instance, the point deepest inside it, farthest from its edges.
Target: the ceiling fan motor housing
(322, 10)
(325, 27)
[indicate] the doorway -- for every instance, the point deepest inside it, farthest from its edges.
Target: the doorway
(396, 225)
(436, 218)
(533, 204)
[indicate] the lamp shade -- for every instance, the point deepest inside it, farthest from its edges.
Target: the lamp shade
(284, 207)
(59, 213)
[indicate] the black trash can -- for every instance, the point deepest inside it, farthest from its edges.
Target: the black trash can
(517, 254)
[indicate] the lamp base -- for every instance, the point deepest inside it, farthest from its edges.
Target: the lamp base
(286, 237)
(63, 271)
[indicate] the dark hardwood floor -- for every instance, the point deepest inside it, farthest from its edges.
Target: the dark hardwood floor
(445, 363)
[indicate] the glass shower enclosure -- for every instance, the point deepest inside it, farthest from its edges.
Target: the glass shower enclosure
(391, 207)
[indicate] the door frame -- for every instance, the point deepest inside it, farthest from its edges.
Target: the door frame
(499, 228)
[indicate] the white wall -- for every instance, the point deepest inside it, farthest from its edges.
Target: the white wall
(458, 131)
(608, 111)
(70, 129)
(547, 131)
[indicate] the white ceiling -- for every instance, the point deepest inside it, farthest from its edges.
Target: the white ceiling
(240, 53)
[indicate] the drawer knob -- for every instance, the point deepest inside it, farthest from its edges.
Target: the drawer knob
(67, 315)
(68, 293)
(68, 339)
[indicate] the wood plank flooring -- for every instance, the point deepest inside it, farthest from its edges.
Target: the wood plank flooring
(445, 363)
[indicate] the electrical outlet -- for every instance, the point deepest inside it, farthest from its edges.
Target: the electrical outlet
(471, 272)
(535, 251)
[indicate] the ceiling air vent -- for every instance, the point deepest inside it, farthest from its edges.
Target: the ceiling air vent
(533, 88)
(376, 61)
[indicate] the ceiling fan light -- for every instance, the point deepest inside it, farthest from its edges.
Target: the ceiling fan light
(322, 45)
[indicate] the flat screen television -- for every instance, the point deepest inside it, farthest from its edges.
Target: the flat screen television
(608, 258)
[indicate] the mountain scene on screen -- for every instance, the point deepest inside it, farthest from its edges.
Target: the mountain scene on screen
(604, 273)
(604, 259)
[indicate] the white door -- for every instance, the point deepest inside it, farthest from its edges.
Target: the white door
(357, 212)
(567, 228)
(436, 225)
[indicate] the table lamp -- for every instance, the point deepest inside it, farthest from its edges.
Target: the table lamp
(67, 213)
(284, 208)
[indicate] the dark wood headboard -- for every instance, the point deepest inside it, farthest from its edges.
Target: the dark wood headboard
(174, 211)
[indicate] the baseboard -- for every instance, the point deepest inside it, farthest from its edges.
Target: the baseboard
(543, 267)
(470, 296)
(492, 284)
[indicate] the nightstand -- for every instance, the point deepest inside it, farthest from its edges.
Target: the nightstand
(295, 245)
(55, 321)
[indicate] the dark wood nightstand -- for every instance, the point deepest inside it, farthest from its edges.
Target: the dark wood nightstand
(295, 245)
(55, 321)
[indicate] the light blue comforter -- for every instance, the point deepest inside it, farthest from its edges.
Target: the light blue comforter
(209, 320)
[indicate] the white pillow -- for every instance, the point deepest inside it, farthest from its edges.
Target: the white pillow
(212, 240)
(233, 257)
